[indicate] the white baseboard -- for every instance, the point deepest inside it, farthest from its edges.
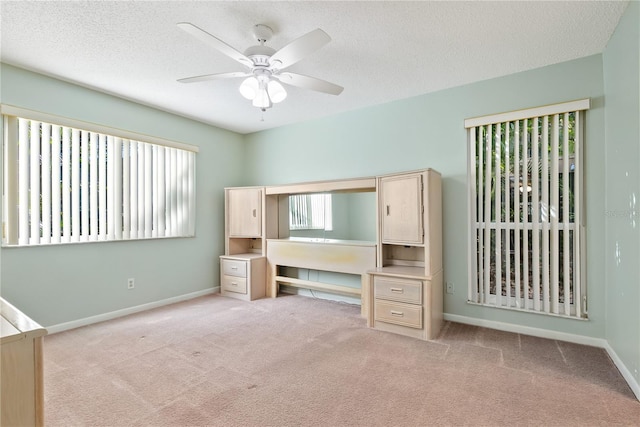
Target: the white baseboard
(527, 330)
(626, 374)
(126, 311)
(554, 335)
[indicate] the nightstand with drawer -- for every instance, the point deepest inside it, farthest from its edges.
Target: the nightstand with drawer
(405, 302)
(242, 276)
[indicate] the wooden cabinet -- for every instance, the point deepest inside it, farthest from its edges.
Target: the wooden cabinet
(400, 204)
(244, 212)
(244, 220)
(243, 276)
(406, 295)
(21, 374)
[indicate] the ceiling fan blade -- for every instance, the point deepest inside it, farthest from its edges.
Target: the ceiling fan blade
(306, 82)
(207, 77)
(215, 42)
(299, 48)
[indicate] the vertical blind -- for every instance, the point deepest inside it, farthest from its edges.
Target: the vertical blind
(66, 185)
(310, 212)
(526, 222)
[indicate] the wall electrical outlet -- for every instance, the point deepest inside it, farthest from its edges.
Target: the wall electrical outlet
(449, 287)
(131, 283)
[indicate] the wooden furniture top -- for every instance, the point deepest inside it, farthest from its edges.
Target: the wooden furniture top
(321, 241)
(243, 257)
(346, 185)
(14, 325)
(407, 272)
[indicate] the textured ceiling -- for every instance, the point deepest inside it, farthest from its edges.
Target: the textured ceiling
(380, 51)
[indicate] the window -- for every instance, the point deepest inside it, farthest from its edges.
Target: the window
(310, 212)
(525, 202)
(68, 181)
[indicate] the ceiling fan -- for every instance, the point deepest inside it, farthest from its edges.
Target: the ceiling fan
(266, 65)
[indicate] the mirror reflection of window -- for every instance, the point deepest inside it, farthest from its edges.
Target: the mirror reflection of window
(310, 212)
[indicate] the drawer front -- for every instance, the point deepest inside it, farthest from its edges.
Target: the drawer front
(232, 267)
(234, 284)
(398, 313)
(402, 290)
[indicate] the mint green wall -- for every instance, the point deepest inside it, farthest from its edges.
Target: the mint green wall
(57, 284)
(428, 131)
(622, 210)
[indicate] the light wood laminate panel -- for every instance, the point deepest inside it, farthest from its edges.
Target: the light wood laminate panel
(244, 212)
(339, 256)
(233, 267)
(398, 313)
(401, 209)
(398, 289)
(21, 381)
(348, 185)
(234, 284)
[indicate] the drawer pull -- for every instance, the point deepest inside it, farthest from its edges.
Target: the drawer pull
(397, 290)
(397, 313)
(234, 284)
(234, 268)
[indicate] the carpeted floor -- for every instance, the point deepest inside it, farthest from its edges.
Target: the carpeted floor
(298, 361)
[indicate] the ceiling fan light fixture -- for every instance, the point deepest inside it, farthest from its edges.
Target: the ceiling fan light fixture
(262, 100)
(249, 88)
(276, 92)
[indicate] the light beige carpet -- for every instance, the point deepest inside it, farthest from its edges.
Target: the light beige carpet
(298, 361)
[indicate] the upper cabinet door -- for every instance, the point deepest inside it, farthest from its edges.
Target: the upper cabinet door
(401, 209)
(244, 211)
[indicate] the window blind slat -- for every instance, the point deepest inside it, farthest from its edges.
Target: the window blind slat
(133, 192)
(517, 186)
(93, 186)
(161, 191)
(535, 194)
(554, 211)
(487, 213)
(45, 154)
(56, 201)
(498, 214)
(156, 192)
(75, 185)
(545, 213)
(102, 187)
(566, 250)
(148, 209)
(472, 294)
(84, 186)
(507, 202)
(126, 189)
(526, 185)
(66, 185)
(34, 182)
(116, 190)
